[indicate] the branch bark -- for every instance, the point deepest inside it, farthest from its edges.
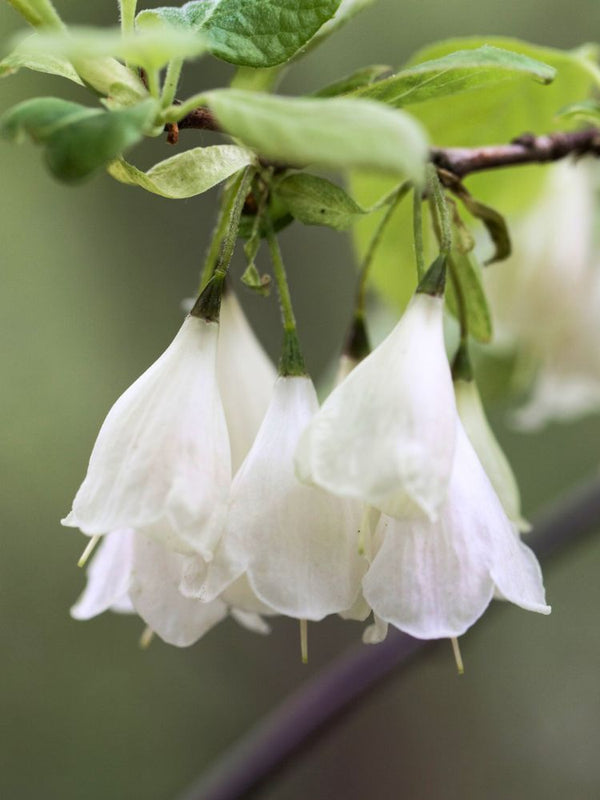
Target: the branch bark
(320, 704)
(462, 161)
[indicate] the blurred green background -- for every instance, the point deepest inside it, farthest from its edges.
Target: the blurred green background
(92, 282)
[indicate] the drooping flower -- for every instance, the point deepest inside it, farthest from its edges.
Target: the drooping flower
(489, 452)
(297, 545)
(132, 573)
(546, 300)
(435, 579)
(245, 375)
(386, 434)
(161, 462)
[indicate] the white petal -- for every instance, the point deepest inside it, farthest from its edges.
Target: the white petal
(376, 632)
(162, 457)
(107, 577)
(299, 544)
(434, 580)
(428, 579)
(558, 398)
(252, 622)
(246, 376)
(385, 435)
(155, 595)
(489, 452)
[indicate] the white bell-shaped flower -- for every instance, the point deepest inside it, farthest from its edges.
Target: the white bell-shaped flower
(435, 579)
(245, 375)
(297, 545)
(161, 462)
(131, 573)
(489, 452)
(386, 434)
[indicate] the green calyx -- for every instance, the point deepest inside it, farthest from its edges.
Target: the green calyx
(208, 304)
(462, 369)
(357, 345)
(291, 362)
(434, 280)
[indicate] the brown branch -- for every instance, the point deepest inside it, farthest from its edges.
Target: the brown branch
(526, 149)
(462, 161)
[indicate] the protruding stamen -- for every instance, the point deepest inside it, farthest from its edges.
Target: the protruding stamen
(146, 638)
(88, 551)
(460, 667)
(304, 641)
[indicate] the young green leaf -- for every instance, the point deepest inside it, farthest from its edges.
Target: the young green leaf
(186, 174)
(20, 58)
(151, 48)
(456, 72)
(260, 33)
(316, 201)
(341, 133)
(362, 77)
(585, 111)
(464, 294)
(77, 140)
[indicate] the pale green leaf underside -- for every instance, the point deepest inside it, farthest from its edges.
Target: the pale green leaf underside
(260, 33)
(186, 174)
(316, 201)
(346, 11)
(456, 72)
(20, 58)
(151, 49)
(340, 133)
(586, 111)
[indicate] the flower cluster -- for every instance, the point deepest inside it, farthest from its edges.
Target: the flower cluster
(221, 488)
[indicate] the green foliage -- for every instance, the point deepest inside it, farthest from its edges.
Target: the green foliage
(454, 73)
(488, 114)
(316, 201)
(341, 133)
(185, 174)
(362, 77)
(346, 10)
(151, 48)
(77, 140)
(465, 295)
(260, 33)
(22, 57)
(585, 111)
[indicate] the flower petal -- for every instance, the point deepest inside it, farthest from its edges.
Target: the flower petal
(246, 376)
(385, 435)
(107, 577)
(162, 455)
(299, 544)
(155, 595)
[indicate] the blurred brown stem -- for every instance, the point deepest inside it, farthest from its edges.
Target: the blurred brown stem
(317, 706)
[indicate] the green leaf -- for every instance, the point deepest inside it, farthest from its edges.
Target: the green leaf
(464, 287)
(456, 72)
(316, 201)
(20, 58)
(151, 48)
(487, 115)
(78, 140)
(362, 77)
(494, 222)
(260, 33)
(585, 111)
(341, 133)
(186, 174)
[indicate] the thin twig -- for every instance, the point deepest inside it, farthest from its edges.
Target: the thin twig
(462, 161)
(317, 706)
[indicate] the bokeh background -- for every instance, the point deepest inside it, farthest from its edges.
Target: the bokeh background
(92, 279)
